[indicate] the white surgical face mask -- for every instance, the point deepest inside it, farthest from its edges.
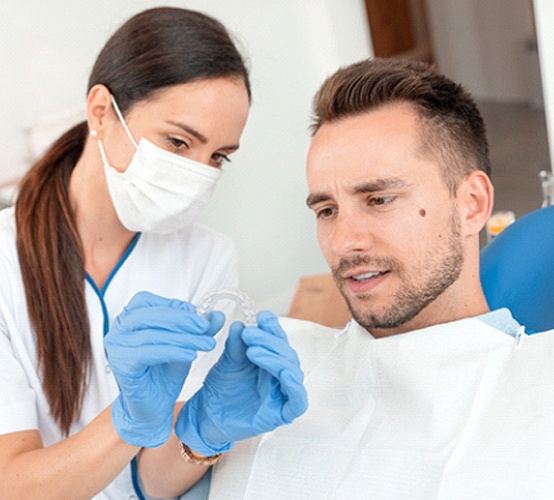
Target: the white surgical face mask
(160, 191)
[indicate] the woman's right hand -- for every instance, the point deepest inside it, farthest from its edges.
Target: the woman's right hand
(151, 346)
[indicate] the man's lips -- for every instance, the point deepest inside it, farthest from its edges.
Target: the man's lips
(362, 274)
(367, 275)
(363, 282)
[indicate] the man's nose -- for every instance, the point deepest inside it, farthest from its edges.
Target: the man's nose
(350, 234)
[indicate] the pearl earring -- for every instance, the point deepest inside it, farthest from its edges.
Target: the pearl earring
(93, 133)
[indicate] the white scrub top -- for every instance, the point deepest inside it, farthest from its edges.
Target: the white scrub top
(454, 411)
(183, 265)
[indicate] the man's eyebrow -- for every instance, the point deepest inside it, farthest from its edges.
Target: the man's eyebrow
(379, 185)
(315, 198)
(373, 186)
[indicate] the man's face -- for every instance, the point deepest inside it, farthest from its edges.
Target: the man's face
(387, 224)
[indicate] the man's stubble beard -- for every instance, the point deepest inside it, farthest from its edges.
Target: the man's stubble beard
(414, 296)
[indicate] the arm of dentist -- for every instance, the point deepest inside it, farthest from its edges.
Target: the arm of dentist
(150, 346)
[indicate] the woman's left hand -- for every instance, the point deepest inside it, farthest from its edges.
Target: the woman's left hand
(256, 386)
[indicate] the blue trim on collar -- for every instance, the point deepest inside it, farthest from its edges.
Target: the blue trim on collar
(120, 263)
(101, 292)
(502, 320)
(102, 303)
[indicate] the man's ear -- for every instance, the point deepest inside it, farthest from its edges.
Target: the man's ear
(98, 103)
(475, 198)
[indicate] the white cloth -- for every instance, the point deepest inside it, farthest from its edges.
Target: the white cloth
(184, 265)
(454, 411)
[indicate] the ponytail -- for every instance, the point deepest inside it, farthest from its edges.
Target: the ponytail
(52, 268)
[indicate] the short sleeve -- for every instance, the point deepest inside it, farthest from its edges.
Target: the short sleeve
(18, 405)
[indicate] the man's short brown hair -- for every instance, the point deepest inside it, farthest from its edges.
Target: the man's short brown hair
(453, 129)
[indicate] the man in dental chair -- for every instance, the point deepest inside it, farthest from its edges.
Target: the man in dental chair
(426, 393)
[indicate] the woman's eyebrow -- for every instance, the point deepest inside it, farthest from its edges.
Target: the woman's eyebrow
(201, 137)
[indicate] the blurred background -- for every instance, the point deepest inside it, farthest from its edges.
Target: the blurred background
(497, 48)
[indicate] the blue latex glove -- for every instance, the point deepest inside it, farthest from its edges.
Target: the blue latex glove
(256, 386)
(151, 346)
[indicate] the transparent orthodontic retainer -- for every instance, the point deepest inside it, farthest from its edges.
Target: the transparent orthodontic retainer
(207, 303)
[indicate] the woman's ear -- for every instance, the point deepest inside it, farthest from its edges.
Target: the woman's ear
(98, 103)
(476, 197)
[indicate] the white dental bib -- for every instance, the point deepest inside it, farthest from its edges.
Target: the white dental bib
(459, 410)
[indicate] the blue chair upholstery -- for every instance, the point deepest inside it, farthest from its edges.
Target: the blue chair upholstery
(517, 270)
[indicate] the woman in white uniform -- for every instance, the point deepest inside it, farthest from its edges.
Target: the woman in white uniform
(107, 212)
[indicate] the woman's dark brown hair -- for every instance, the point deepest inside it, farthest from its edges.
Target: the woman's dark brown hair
(154, 49)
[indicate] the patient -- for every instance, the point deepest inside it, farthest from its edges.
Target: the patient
(426, 393)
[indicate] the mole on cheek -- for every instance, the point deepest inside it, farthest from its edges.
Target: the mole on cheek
(422, 212)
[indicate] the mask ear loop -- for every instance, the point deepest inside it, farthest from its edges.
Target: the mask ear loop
(102, 153)
(122, 120)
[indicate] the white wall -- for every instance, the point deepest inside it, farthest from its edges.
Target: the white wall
(482, 44)
(292, 45)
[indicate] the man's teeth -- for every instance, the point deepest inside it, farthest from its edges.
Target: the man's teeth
(366, 276)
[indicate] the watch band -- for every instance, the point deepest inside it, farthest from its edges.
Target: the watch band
(188, 456)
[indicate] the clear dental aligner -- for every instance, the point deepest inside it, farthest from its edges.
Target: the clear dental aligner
(207, 303)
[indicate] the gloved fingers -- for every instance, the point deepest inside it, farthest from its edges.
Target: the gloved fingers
(161, 317)
(147, 299)
(277, 365)
(296, 396)
(135, 361)
(148, 338)
(289, 376)
(139, 350)
(235, 348)
(217, 320)
(254, 336)
(268, 322)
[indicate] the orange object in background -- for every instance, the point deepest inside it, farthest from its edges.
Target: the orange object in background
(499, 221)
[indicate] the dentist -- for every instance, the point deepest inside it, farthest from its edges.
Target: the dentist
(110, 211)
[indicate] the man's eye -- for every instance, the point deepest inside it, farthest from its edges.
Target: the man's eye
(325, 213)
(379, 201)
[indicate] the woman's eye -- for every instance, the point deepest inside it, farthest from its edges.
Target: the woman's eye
(219, 159)
(380, 201)
(177, 144)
